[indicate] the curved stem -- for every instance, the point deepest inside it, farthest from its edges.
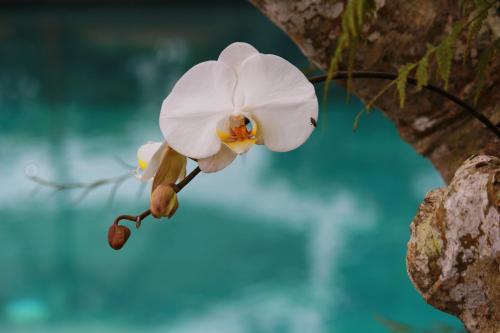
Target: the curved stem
(137, 219)
(340, 75)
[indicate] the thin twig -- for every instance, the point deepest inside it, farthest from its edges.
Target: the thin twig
(86, 187)
(80, 185)
(340, 75)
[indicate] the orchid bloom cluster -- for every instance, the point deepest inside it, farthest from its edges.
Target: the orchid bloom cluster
(221, 109)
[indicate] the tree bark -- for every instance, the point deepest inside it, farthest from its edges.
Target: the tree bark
(434, 126)
(453, 255)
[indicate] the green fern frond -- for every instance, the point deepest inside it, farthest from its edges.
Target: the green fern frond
(423, 67)
(352, 20)
(342, 43)
(349, 19)
(403, 73)
(445, 51)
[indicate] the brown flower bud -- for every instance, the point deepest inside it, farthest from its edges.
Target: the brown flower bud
(163, 201)
(117, 236)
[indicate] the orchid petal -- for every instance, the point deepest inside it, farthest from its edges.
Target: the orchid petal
(281, 99)
(190, 113)
(236, 53)
(172, 167)
(217, 162)
(149, 158)
(146, 152)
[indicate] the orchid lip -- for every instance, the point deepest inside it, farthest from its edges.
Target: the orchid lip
(238, 132)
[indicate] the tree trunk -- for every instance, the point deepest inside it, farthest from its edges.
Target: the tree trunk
(434, 126)
(438, 130)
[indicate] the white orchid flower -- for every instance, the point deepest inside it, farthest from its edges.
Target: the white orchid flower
(165, 166)
(150, 154)
(150, 157)
(219, 109)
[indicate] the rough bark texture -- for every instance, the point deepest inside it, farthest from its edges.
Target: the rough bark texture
(436, 128)
(453, 255)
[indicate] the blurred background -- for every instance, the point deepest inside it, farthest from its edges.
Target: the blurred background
(309, 241)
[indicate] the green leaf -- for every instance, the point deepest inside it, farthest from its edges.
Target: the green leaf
(444, 53)
(342, 43)
(401, 81)
(349, 18)
(423, 67)
(360, 12)
(351, 23)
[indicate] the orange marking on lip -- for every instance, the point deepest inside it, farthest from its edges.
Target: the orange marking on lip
(238, 131)
(241, 133)
(239, 138)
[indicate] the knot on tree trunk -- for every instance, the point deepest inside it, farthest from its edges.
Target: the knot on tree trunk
(453, 256)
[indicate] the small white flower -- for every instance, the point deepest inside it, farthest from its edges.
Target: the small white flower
(152, 155)
(162, 164)
(222, 108)
(149, 157)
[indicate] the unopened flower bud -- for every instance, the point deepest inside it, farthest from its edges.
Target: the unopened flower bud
(163, 201)
(117, 236)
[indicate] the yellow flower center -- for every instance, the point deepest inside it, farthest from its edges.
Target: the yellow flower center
(241, 136)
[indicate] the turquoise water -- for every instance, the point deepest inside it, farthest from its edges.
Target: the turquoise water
(309, 241)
